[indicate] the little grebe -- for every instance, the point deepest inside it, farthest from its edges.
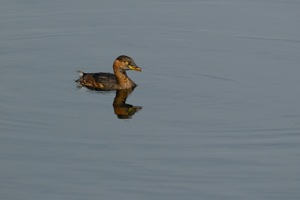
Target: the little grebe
(108, 81)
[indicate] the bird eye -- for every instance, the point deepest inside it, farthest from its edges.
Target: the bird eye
(126, 63)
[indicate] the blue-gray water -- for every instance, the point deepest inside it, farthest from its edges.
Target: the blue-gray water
(219, 91)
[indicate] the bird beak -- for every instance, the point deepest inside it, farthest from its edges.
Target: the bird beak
(136, 68)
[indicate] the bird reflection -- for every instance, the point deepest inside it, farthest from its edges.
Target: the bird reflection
(121, 108)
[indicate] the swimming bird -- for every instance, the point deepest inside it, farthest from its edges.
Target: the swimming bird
(108, 81)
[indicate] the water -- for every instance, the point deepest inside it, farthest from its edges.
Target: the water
(219, 100)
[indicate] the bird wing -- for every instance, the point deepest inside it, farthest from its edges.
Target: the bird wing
(105, 78)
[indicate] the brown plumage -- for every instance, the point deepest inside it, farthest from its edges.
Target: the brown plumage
(108, 81)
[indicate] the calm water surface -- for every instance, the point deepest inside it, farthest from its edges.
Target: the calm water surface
(218, 100)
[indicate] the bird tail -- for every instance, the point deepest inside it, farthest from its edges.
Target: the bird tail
(81, 73)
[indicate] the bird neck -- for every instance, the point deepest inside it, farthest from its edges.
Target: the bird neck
(123, 80)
